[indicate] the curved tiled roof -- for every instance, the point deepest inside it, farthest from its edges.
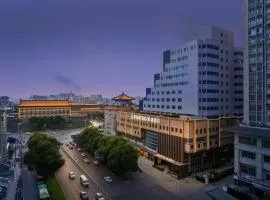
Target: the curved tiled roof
(43, 103)
(123, 97)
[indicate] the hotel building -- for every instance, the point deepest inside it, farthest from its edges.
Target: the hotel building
(186, 144)
(202, 77)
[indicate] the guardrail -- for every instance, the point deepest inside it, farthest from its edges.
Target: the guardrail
(107, 197)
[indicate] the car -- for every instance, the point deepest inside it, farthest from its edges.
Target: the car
(99, 196)
(108, 179)
(70, 147)
(75, 145)
(86, 160)
(71, 175)
(84, 195)
(96, 162)
(79, 149)
(4, 187)
(83, 154)
(67, 144)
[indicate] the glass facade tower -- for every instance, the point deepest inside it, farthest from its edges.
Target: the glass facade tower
(257, 62)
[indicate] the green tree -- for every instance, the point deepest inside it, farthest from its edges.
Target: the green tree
(122, 159)
(107, 143)
(43, 154)
(116, 153)
(89, 139)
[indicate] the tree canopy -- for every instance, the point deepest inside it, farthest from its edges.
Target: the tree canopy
(116, 153)
(43, 154)
(39, 123)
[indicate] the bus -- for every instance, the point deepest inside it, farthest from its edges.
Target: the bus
(43, 191)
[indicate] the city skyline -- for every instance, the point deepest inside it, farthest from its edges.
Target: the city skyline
(98, 47)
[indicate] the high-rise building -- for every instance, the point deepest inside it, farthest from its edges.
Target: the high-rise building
(257, 63)
(199, 78)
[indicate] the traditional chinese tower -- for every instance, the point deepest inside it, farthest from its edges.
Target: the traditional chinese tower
(123, 100)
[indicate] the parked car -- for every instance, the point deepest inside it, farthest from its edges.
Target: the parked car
(84, 195)
(79, 149)
(108, 179)
(83, 154)
(70, 147)
(99, 196)
(86, 160)
(71, 175)
(67, 144)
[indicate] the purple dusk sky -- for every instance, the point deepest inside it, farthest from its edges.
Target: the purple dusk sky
(98, 46)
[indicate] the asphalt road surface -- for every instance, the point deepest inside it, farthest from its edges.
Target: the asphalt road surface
(72, 187)
(137, 188)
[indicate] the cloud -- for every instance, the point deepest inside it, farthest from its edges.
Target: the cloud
(67, 82)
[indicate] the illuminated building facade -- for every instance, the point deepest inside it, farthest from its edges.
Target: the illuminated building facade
(186, 144)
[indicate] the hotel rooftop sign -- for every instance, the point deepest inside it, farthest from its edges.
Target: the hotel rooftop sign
(145, 118)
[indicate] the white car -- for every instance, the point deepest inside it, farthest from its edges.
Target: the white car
(71, 175)
(86, 160)
(99, 196)
(108, 179)
(83, 154)
(79, 149)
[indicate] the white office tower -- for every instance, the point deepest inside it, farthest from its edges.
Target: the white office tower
(199, 77)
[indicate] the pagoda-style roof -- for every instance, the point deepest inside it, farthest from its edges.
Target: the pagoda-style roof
(123, 97)
(43, 103)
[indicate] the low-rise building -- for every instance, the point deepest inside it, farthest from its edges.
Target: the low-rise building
(84, 109)
(110, 115)
(123, 103)
(185, 144)
(42, 108)
(252, 157)
(32, 108)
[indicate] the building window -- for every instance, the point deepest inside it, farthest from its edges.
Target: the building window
(266, 159)
(266, 144)
(247, 140)
(176, 130)
(247, 169)
(172, 129)
(248, 154)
